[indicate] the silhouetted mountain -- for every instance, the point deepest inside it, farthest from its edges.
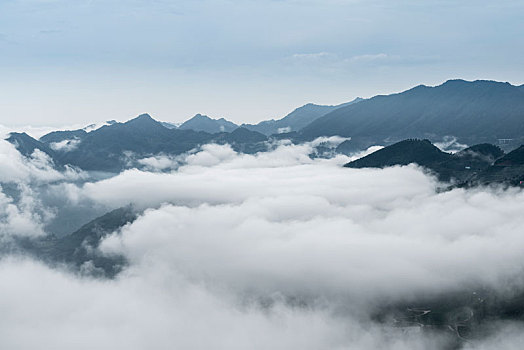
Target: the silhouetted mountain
(490, 151)
(513, 158)
(460, 166)
(508, 170)
(474, 112)
(204, 123)
(115, 147)
(58, 136)
(243, 140)
(79, 248)
(295, 120)
(109, 147)
(422, 152)
(26, 145)
(353, 145)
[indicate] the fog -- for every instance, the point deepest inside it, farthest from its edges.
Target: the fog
(269, 251)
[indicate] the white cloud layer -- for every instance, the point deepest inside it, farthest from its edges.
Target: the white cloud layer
(269, 251)
(65, 145)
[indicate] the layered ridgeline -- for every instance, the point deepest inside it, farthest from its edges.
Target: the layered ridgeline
(203, 123)
(481, 164)
(113, 147)
(297, 119)
(473, 112)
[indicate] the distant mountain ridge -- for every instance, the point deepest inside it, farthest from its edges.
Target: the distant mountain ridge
(109, 148)
(297, 119)
(204, 123)
(474, 112)
(482, 164)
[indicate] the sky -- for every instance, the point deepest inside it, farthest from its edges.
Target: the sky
(76, 62)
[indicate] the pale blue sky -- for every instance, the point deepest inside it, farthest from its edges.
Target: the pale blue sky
(77, 61)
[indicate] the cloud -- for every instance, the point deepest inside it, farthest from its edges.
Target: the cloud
(370, 57)
(22, 181)
(314, 56)
(24, 217)
(273, 250)
(36, 168)
(450, 144)
(158, 309)
(65, 145)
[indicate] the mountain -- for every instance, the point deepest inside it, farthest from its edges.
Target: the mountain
(474, 112)
(26, 145)
(78, 249)
(295, 120)
(243, 140)
(117, 146)
(58, 136)
(508, 170)
(204, 123)
(460, 166)
(109, 147)
(422, 152)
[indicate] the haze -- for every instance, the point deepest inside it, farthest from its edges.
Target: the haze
(78, 62)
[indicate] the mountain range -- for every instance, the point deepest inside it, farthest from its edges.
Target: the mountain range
(203, 123)
(474, 112)
(481, 164)
(471, 112)
(111, 148)
(297, 119)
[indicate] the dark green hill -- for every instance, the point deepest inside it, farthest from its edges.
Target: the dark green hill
(490, 151)
(460, 166)
(508, 170)
(514, 158)
(404, 152)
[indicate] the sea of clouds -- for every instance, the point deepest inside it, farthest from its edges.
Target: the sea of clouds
(269, 251)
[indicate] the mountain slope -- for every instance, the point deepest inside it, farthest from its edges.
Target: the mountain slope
(78, 249)
(26, 145)
(58, 136)
(204, 123)
(475, 112)
(460, 166)
(297, 119)
(508, 170)
(243, 140)
(106, 148)
(115, 147)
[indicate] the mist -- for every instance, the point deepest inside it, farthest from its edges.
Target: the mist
(275, 250)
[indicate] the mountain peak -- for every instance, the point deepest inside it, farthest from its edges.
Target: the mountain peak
(201, 116)
(455, 81)
(404, 152)
(204, 123)
(143, 116)
(142, 120)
